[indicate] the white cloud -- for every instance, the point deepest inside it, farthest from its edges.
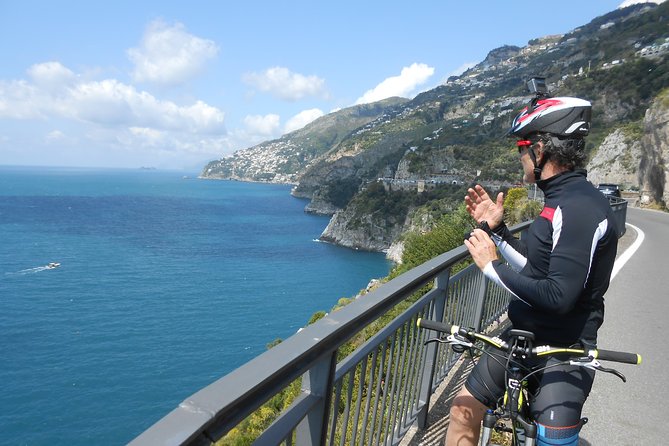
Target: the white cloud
(302, 118)
(51, 75)
(462, 68)
(148, 142)
(634, 2)
(284, 84)
(458, 71)
(108, 114)
(110, 102)
(55, 139)
(402, 85)
(55, 135)
(169, 55)
(148, 136)
(267, 125)
(20, 100)
(107, 102)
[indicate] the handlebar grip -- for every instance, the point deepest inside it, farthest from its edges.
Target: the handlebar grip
(610, 355)
(433, 325)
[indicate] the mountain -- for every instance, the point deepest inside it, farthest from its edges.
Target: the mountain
(281, 160)
(384, 168)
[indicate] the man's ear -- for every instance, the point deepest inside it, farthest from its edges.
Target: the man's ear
(539, 151)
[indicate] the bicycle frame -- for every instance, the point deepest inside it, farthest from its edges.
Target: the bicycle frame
(515, 406)
(515, 350)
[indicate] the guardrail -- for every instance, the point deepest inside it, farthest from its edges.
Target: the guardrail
(619, 206)
(374, 394)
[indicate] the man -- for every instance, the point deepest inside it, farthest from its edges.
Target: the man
(558, 272)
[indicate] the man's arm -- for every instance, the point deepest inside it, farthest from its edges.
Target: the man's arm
(575, 237)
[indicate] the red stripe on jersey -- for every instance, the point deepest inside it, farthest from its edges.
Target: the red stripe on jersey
(547, 213)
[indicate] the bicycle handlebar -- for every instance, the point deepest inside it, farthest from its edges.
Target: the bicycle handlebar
(542, 350)
(436, 326)
(610, 355)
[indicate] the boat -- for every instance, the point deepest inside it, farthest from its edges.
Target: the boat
(53, 265)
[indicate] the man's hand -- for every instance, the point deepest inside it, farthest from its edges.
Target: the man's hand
(481, 247)
(481, 207)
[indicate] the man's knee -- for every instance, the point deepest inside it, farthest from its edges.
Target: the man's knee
(467, 410)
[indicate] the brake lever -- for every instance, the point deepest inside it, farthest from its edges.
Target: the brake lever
(591, 363)
(459, 340)
(613, 372)
(451, 339)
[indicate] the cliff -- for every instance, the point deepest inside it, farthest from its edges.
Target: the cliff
(636, 156)
(654, 162)
(617, 159)
(377, 218)
(367, 232)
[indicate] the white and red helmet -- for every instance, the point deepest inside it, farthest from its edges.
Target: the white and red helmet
(563, 117)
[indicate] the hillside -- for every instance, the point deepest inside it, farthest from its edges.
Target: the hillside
(281, 160)
(453, 135)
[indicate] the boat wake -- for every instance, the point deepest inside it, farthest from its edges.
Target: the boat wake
(37, 269)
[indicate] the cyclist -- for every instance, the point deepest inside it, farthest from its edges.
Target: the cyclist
(558, 272)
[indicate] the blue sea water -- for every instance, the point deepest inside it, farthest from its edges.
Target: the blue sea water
(166, 284)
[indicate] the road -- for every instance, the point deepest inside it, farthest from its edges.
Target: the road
(637, 307)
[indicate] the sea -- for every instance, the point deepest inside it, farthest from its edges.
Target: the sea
(166, 283)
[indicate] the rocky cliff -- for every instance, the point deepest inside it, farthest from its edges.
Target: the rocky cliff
(654, 162)
(374, 228)
(636, 156)
(617, 159)
(369, 233)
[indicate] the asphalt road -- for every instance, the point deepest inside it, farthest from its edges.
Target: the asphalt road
(636, 319)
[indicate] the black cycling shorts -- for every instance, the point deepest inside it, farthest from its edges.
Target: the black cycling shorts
(557, 394)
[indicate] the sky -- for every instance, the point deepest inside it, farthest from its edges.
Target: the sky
(173, 85)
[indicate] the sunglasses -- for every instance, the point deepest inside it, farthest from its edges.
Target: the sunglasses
(525, 143)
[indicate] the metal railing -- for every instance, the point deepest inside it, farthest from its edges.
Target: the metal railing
(372, 395)
(619, 206)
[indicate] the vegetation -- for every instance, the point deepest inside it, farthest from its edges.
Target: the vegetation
(447, 234)
(518, 207)
(340, 191)
(386, 204)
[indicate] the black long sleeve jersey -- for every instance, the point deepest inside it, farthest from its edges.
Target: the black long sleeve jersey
(561, 268)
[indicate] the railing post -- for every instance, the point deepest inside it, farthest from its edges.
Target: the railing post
(318, 381)
(441, 284)
(480, 301)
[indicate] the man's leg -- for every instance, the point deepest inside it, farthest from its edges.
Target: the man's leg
(465, 420)
(557, 405)
(484, 386)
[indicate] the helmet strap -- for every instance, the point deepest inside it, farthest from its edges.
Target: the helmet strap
(537, 167)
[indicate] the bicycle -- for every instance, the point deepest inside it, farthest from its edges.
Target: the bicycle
(513, 408)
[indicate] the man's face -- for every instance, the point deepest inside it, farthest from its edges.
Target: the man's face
(526, 161)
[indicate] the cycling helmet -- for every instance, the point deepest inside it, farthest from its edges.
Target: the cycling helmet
(563, 117)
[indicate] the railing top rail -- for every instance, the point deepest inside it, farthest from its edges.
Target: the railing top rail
(217, 407)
